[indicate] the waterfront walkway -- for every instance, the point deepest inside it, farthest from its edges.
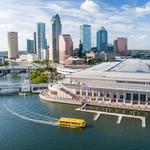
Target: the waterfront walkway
(116, 105)
(45, 96)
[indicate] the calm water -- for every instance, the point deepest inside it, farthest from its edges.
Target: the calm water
(21, 128)
(13, 78)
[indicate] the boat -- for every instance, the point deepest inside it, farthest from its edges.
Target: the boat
(72, 122)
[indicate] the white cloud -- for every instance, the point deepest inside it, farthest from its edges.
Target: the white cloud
(143, 10)
(22, 17)
(90, 6)
(55, 7)
(4, 14)
(6, 27)
(141, 37)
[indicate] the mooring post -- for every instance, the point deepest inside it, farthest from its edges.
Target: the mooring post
(143, 122)
(119, 119)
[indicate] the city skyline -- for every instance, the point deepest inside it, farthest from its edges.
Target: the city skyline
(125, 18)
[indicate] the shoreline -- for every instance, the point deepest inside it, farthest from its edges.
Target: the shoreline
(58, 100)
(96, 104)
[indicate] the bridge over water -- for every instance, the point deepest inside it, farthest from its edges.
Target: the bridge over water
(22, 87)
(19, 68)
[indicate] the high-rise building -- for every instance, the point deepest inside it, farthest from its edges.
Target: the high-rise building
(80, 51)
(120, 45)
(65, 47)
(45, 54)
(85, 37)
(102, 40)
(115, 46)
(41, 39)
(35, 43)
(110, 48)
(12, 45)
(30, 46)
(56, 31)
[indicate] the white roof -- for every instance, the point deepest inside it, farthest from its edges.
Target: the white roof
(67, 71)
(129, 69)
(133, 65)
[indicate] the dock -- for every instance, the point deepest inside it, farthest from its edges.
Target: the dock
(120, 116)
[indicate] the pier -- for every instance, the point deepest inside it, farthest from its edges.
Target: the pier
(120, 116)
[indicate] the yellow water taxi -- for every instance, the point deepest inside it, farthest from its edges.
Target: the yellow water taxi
(72, 122)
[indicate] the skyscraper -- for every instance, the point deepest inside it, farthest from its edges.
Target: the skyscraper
(30, 46)
(65, 47)
(34, 36)
(12, 45)
(115, 46)
(41, 39)
(80, 51)
(110, 48)
(102, 40)
(85, 37)
(121, 45)
(56, 31)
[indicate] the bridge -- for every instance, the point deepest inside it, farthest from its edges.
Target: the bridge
(22, 87)
(19, 69)
(3, 68)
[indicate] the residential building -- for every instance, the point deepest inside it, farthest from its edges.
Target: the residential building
(110, 48)
(121, 45)
(65, 47)
(45, 54)
(30, 46)
(12, 45)
(35, 43)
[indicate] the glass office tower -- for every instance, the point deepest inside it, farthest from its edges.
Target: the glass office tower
(85, 37)
(56, 31)
(102, 40)
(41, 39)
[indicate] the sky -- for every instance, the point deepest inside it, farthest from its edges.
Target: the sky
(121, 18)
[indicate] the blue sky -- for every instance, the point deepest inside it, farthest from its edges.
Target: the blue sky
(128, 18)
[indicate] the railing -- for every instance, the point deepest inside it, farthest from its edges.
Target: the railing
(19, 85)
(120, 105)
(69, 93)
